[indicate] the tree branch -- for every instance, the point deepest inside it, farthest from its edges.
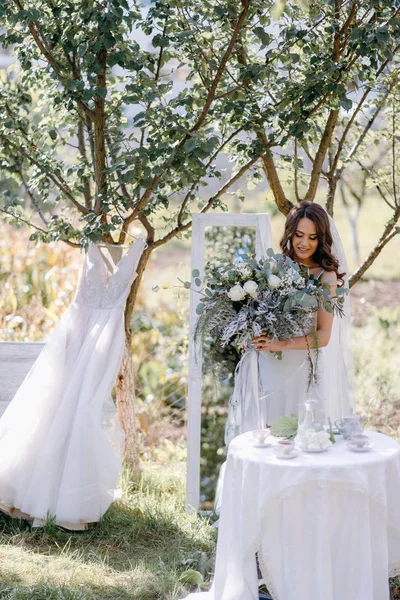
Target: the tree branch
(82, 149)
(44, 48)
(389, 233)
(355, 113)
(283, 204)
(368, 170)
(19, 218)
(58, 182)
(208, 205)
(149, 228)
(296, 172)
(32, 197)
(99, 134)
(351, 17)
(212, 92)
(209, 162)
(337, 32)
(321, 153)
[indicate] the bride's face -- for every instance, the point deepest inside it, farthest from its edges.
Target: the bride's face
(305, 241)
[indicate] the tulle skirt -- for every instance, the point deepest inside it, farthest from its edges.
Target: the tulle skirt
(61, 446)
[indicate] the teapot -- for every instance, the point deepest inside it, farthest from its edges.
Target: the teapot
(351, 424)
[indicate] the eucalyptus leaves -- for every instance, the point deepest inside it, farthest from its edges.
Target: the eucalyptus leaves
(272, 295)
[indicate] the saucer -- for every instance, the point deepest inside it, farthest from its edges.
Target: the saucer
(291, 454)
(262, 444)
(315, 450)
(355, 448)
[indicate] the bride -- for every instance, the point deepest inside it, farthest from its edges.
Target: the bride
(266, 388)
(308, 240)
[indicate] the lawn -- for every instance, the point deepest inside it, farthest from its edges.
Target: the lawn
(137, 552)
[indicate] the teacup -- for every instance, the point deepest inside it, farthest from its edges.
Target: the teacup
(260, 436)
(285, 446)
(360, 440)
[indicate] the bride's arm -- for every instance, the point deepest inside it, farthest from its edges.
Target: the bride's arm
(323, 331)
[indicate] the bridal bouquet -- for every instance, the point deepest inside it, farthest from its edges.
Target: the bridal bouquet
(272, 295)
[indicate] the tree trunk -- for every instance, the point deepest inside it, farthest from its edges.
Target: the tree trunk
(353, 222)
(332, 186)
(125, 384)
(125, 388)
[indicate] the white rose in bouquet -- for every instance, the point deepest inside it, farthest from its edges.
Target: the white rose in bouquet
(251, 288)
(236, 293)
(274, 281)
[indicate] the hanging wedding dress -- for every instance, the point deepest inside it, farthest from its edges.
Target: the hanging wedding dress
(60, 443)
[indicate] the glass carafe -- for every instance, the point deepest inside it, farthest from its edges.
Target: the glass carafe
(312, 416)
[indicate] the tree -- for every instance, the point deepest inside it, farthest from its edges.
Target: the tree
(343, 58)
(98, 132)
(100, 135)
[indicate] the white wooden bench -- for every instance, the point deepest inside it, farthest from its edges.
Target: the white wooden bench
(16, 358)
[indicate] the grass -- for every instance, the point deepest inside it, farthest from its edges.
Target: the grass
(138, 551)
(376, 358)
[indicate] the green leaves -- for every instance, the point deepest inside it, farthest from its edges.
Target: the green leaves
(192, 577)
(285, 426)
(100, 91)
(160, 41)
(178, 121)
(263, 36)
(199, 308)
(345, 103)
(201, 148)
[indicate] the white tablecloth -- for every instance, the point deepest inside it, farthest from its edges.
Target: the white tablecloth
(326, 526)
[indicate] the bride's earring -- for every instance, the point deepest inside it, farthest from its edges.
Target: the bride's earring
(288, 245)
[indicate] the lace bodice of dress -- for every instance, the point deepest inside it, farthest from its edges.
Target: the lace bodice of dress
(104, 284)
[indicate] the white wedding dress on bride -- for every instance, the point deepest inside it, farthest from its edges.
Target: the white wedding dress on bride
(60, 443)
(267, 388)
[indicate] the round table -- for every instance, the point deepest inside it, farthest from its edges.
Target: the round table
(325, 526)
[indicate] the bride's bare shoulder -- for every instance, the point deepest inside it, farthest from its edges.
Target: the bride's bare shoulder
(329, 277)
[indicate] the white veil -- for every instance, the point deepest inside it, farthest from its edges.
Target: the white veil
(337, 357)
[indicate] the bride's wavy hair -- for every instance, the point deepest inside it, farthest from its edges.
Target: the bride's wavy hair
(323, 254)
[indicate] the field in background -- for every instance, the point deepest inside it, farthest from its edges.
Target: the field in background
(38, 283)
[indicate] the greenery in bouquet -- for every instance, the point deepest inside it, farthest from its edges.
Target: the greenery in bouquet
(272, 295)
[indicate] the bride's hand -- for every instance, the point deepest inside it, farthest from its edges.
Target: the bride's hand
(262, 342)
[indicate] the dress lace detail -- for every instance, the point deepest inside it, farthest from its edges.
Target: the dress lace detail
(96, 289)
